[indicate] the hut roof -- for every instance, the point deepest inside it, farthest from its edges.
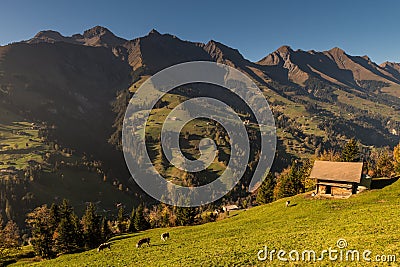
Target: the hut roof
(337, 171)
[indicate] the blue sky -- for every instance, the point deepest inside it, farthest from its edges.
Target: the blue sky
(255, 28)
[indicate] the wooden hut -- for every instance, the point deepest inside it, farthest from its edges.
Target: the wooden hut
(339, 179)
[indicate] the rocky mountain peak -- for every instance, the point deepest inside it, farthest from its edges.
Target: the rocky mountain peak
(154, 32)
(336, 51)
(97, 31)
(48, 36)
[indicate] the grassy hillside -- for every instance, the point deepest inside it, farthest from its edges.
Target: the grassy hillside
(19, 144)
(366, 221)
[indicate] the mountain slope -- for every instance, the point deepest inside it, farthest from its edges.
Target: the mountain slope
(70, 86)
(63, 92)
(157, 51)
(393, 68)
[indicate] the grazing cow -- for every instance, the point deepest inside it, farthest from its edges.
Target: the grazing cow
(104, 246)
(287, 203)
(143, 241)
(164, 236)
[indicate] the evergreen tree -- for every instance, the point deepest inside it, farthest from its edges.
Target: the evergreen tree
(185, 215)
(289, 183)
(54, 219)
(350, 152)
(266, 191)
(67, 237)
(91, 227)
(140, 221)
(304, 175)
(131, 227)
(105, 231)
(2, 243)
(121, 220)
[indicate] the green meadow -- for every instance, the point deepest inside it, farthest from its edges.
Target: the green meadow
(368, 221)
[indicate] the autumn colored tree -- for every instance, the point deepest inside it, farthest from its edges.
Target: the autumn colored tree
(396, 157)
(10, 238)
(384, 165)
(11, 235)
(42, 235)
(329, 155)
(381, 163)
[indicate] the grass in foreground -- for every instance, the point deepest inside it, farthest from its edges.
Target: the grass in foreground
(366, 221)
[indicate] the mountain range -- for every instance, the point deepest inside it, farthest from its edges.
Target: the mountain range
(307, 76)
(157, 51)
(80, 84)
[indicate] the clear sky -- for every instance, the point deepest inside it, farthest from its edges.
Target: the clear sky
(255, 28)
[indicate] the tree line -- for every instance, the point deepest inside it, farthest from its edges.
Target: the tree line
(57, 230)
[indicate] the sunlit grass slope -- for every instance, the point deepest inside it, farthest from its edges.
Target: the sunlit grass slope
(369, 220)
